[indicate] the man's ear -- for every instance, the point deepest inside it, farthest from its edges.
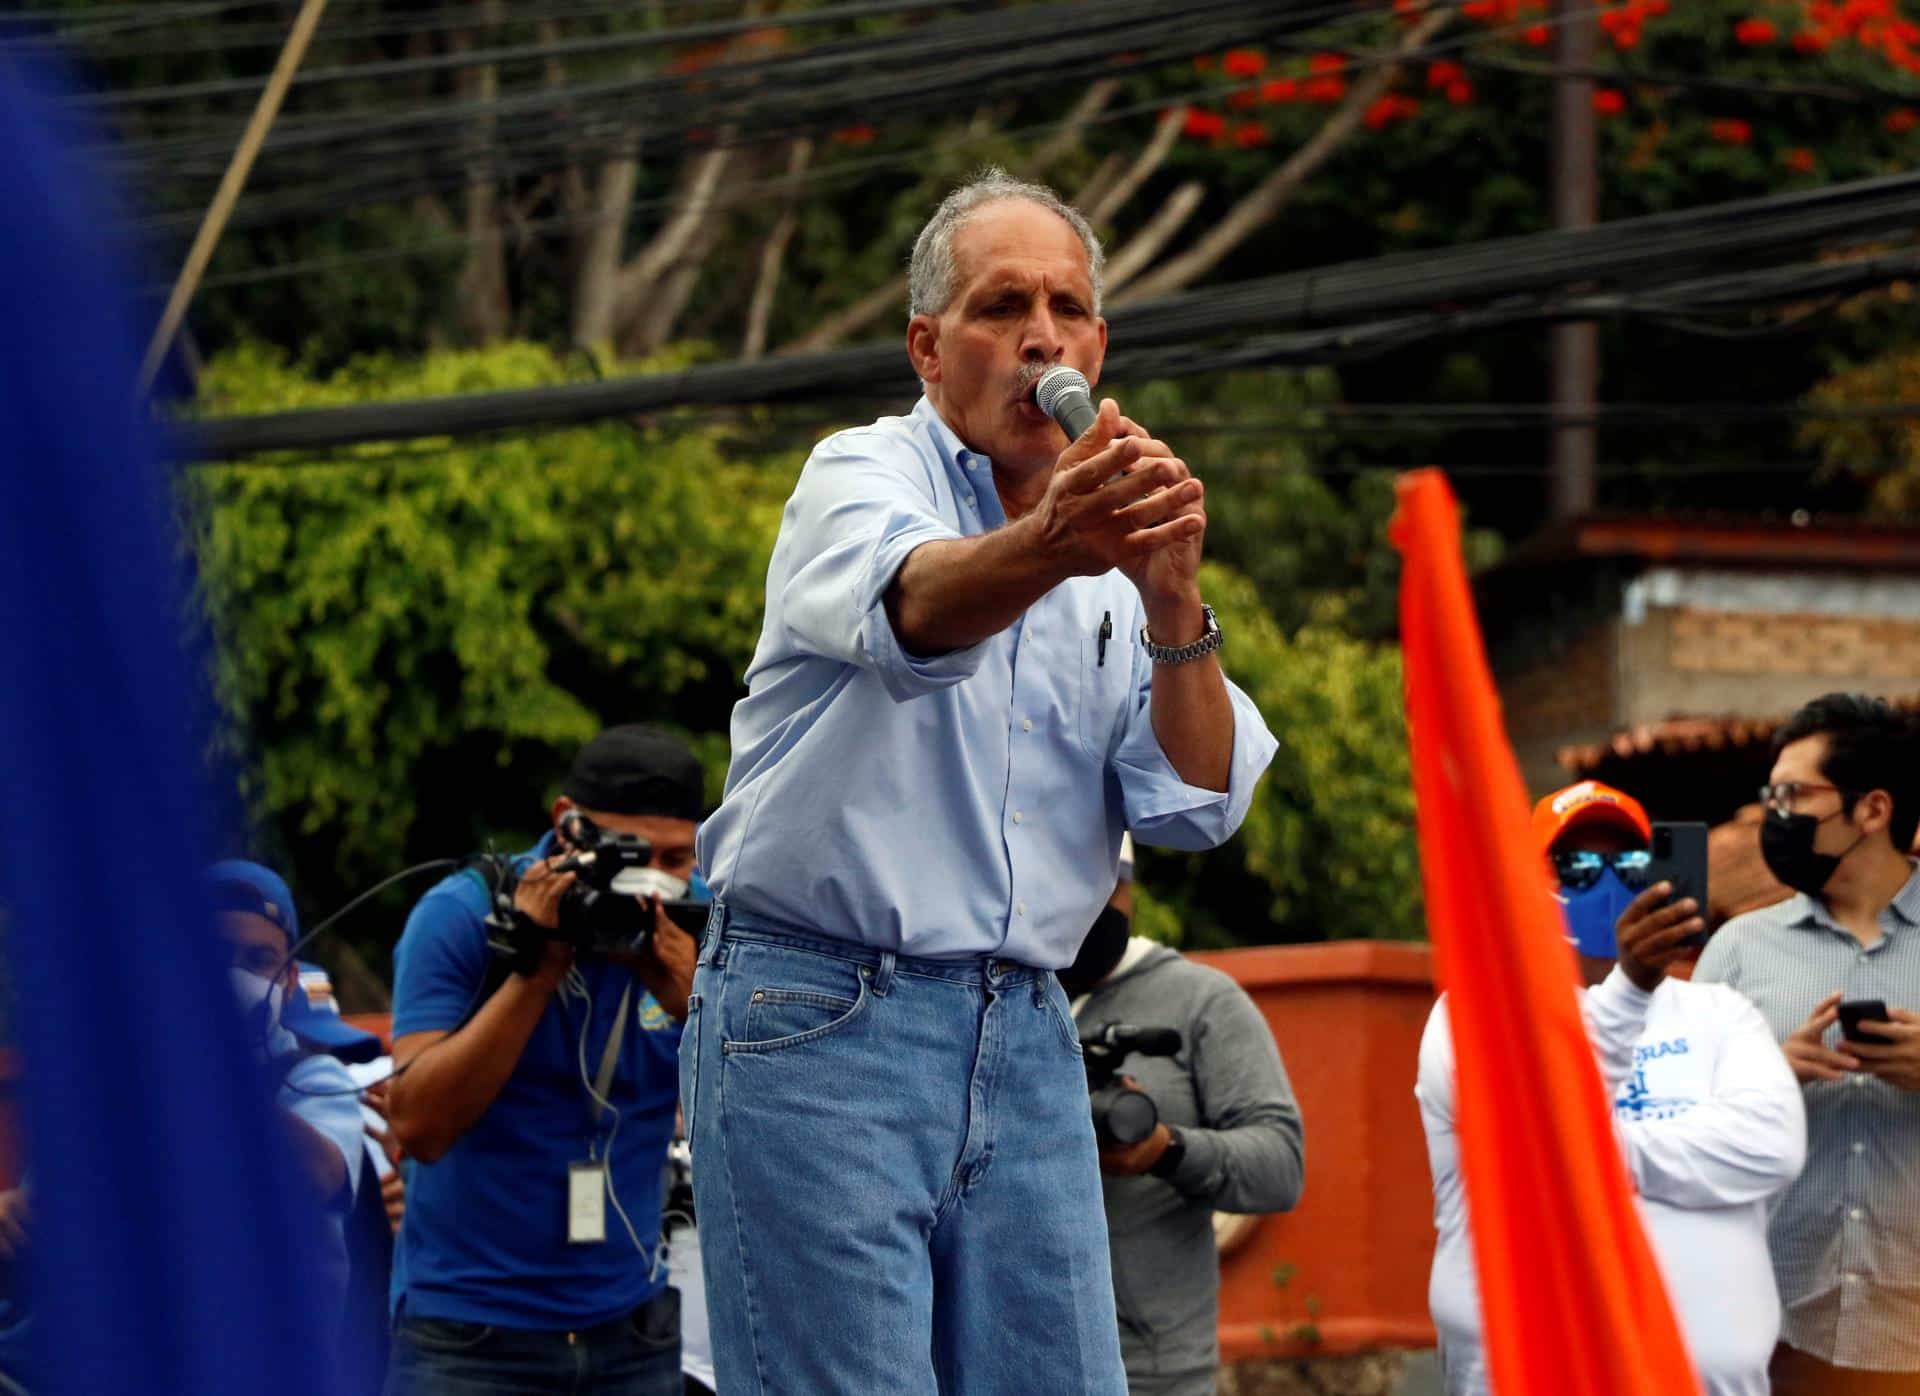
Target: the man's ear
(1093, 370)
(1873, 811)
(923, 347)
(560, 808)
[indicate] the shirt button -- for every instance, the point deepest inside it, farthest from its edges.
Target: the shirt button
(1859, 1078)
(1026, 724)
(1019, 908)
(1852, 1278)
(1856, 1213)
(1859, 1146)
(1017, 816)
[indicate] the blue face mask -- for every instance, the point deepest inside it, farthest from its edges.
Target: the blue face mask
(1592, 911)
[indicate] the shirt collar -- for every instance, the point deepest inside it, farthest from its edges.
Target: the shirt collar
(965, 464)
(1811, 911)
(1906, 902)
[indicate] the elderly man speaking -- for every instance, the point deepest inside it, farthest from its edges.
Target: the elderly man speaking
(985, 657)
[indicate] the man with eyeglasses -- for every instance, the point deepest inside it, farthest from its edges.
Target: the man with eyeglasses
(1842, 804)
(1707, 1113)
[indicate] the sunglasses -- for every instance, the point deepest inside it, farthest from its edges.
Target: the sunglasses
(1581, 868)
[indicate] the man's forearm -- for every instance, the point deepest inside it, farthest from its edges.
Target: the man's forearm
(1192, 715)
(443, 1089)
(953, 594)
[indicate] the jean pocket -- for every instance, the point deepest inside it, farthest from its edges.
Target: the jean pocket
(1054, 999)
(444, 1335)
(817, 1000)
(656, 1323)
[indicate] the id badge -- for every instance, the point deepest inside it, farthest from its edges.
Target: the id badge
(586, 1203)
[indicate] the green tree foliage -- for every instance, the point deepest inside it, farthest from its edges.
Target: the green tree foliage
(1327, 851)
(412, 641)
(1881, 454)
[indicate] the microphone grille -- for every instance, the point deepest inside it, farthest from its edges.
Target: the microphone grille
(1055, 384)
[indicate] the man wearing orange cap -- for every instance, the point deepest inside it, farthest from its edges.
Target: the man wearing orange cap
(1706, 1109)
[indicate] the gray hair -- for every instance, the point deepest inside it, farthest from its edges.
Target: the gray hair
(933, 277)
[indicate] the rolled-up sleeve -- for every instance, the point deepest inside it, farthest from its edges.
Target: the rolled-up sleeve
(852, 521)
(1162, 809)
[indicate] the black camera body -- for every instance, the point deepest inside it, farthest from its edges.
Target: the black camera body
(609, 908)
(1123, 1114)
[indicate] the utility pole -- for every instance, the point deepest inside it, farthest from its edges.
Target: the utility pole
(231, 183)
(1574, 349)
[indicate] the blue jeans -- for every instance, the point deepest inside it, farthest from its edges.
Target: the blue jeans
(894, 1172)
(635, 1356)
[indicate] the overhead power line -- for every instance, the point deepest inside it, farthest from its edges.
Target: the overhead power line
(1644, 265)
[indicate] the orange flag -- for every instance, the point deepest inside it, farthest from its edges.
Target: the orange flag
(1571, 1298)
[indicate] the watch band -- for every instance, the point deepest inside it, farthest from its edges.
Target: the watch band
(1210, 640)
(1172, 1156)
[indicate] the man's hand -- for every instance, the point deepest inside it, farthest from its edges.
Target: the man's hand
(537, 897)
(1116, 498)
(393, 1188)
(1649, 933)
(1131, 1160)
(1895, 1056)
(666, 965)
(1168, 578)
(1810, 1058)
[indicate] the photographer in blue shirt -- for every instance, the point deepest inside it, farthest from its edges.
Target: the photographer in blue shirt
(985, 656)
(536, 1103)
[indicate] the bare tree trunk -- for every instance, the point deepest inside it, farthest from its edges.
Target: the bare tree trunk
(760, 308)
(636, 279)
(667, 297)
(1273, 192)
(1099, 181)
(599, 243)
(1151, 240)
(1149, 160)
(484, 313)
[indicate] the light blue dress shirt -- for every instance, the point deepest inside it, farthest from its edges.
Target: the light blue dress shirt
(966, 804)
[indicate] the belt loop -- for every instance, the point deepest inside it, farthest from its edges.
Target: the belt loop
(712, 949)
(883, 974)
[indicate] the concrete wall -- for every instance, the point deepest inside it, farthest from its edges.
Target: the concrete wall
(1761, 644)
(1713, 642)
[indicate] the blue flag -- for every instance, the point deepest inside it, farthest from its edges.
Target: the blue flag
(171, 1250)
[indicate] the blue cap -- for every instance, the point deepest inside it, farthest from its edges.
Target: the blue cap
(323, 1030)
(239, 885)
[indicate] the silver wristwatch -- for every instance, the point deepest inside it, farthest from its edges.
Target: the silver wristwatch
(1209, 641)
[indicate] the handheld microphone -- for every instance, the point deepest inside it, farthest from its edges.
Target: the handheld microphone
(1062, 393)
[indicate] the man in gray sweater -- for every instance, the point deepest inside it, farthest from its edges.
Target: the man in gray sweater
(1229, 1138)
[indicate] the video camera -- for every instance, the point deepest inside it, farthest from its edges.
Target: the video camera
(607, 910)
(1123, 1114)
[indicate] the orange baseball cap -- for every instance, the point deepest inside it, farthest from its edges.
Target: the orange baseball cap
(1584, 803)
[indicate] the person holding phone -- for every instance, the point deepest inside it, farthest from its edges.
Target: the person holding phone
(1843, 802)
(1707, 1112)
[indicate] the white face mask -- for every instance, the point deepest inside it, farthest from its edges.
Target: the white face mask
(252, 991)
(648, 882)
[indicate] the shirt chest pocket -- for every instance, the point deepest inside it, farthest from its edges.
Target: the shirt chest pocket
(1106, 691)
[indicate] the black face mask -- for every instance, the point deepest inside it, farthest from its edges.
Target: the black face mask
(1099, 952)
(1786, 844)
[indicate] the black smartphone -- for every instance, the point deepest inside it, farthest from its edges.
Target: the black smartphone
(1854, 1012)
(1679, 856)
